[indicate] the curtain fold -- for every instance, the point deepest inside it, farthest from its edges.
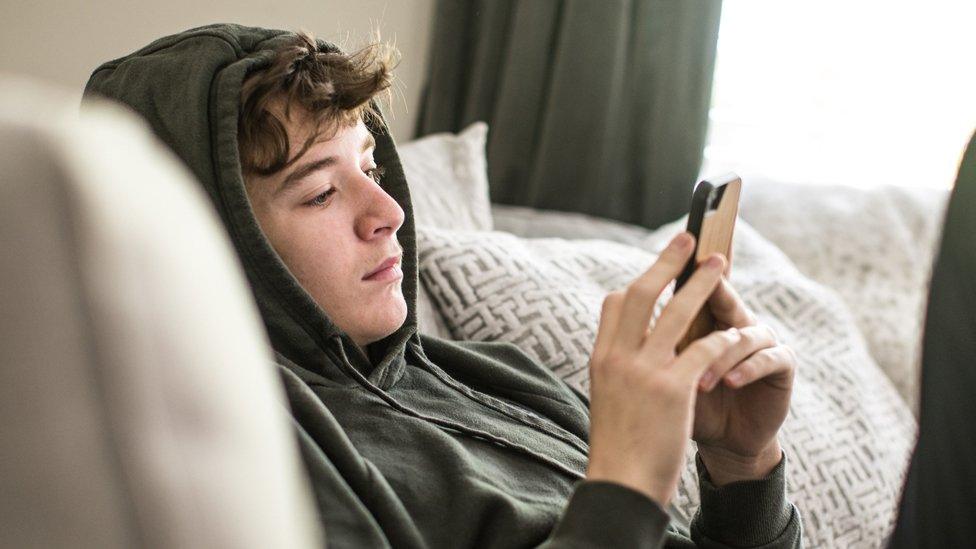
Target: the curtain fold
(593, 107)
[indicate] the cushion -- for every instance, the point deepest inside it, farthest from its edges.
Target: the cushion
(849, 432)
(536, 223)
(448, 179)
(138, 400)
(429, 319)
(873, 246)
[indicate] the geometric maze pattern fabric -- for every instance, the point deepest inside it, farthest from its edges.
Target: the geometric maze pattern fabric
(539, 294)
(848, 434)
(873, 246)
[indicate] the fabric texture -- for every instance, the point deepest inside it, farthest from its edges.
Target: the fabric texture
(448, 179)
(128, 421)
(874, 247)
(848, 433)
(731, 519)
(417, 428)
(540, 294)
(530, 222)
(595, 107)
(448, 182)
(939, 501)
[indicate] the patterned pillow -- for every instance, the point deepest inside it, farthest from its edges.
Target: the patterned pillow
(849, 433)
(873, 246)
(448, 179)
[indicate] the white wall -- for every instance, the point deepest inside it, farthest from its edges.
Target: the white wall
(63, 41)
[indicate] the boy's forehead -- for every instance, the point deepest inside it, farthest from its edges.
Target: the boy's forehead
(299, 123)
(334, 136)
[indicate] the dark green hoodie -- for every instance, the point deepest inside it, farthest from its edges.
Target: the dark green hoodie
(425, 442)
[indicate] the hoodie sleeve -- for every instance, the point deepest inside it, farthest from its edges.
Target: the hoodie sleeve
(740, 514)
(752, 513)
(607, 514)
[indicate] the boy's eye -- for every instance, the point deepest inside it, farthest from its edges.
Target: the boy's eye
(321, 198)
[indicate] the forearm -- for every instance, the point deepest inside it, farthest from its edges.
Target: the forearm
(746, 513)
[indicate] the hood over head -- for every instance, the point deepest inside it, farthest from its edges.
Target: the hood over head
(188, 87)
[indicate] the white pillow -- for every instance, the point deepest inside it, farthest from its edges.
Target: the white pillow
(448, 179)
(849, 433)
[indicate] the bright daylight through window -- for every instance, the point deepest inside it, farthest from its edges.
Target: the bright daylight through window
(858, 92)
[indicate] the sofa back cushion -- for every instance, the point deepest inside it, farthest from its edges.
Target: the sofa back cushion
(138, 401)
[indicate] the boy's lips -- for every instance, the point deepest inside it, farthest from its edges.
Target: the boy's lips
(385, 270)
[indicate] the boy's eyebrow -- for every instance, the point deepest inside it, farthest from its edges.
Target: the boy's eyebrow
(304, 170)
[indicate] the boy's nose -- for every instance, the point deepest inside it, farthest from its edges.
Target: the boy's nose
(382, 215)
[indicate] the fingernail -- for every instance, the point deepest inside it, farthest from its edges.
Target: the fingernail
(734, 377)
(683, 240)
(733, 333)
(706, 380)
(714, 262)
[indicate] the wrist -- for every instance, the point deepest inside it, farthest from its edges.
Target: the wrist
(725, 466)
(660, 492)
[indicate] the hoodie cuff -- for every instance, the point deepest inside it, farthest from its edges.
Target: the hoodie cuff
(607, 514)
(748, 513)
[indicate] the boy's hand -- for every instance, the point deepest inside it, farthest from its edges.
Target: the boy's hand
(745, 398)
(642, 396)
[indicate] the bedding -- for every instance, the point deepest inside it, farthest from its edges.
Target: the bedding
(849, 432)
(448, 179)
(874, 247)
(840, 273)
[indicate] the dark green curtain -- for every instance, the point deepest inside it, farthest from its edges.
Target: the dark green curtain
(598, 107)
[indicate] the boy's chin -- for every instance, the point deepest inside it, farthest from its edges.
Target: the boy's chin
(393, 316)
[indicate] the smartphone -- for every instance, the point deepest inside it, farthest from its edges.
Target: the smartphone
(711, 219)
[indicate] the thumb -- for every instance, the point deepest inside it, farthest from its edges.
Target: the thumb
(727, 307)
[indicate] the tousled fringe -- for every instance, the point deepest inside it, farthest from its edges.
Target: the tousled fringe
(333, 89)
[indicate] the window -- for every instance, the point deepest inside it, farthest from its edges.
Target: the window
(859, 92)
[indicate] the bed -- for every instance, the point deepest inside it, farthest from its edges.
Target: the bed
(839, 273)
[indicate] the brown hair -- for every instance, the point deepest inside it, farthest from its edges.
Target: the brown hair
(333, 87)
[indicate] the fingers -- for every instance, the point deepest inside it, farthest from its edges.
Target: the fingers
(701, 354)
(605, 332)
(775, 364)
(642, 293)
(754, 339)
(684, 306)
(728, 308)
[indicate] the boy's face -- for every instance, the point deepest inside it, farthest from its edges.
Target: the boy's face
(333, 225)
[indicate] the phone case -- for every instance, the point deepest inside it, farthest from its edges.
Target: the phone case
(715, 205)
